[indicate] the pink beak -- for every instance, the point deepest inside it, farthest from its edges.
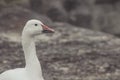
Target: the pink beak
(46, 29)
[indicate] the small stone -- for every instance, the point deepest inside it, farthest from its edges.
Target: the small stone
(5, 61)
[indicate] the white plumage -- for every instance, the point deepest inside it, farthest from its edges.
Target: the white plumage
(32, 69)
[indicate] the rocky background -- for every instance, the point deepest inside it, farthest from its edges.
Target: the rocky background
(85, 46)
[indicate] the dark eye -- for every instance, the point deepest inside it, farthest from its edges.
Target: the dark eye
(36, 24)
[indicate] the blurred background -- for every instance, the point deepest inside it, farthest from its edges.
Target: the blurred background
(102, 15)
(85, 45)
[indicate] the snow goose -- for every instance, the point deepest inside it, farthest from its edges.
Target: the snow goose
(32, 69)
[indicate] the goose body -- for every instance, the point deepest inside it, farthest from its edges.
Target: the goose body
(32, 69)
(15, 74)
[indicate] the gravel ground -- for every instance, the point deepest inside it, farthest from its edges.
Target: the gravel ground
(70, 54)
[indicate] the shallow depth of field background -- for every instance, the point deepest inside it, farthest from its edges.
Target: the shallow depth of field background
(85, 46)
(103, 15)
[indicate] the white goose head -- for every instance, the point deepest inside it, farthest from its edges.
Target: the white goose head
(35, 27)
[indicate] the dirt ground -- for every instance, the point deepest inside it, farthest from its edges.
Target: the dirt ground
(71, 53)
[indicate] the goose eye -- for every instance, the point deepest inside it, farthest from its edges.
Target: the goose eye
(36, 24)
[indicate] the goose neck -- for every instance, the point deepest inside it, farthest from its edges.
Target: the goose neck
(32, 63)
